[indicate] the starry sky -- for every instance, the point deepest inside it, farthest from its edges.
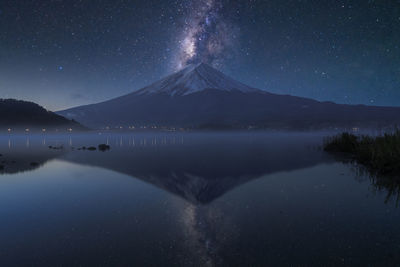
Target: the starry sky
(64, 53)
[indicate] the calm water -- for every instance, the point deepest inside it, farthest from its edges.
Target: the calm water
(170, 199)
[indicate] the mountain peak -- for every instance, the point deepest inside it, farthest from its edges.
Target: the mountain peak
(195, 78)
(200, 65)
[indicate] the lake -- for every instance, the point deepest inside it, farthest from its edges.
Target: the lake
(190, 199)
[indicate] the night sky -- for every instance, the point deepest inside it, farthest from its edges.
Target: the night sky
(64, 53)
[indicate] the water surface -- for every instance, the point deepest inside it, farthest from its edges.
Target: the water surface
(189, 199)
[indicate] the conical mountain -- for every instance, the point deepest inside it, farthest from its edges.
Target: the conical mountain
(196, 78)
(200, 96)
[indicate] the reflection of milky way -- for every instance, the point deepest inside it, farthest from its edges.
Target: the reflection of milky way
(207, 36)
(207, 232)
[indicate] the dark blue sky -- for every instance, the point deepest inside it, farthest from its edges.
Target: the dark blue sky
(65, 53)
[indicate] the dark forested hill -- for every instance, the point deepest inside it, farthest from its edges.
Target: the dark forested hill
(18, 114)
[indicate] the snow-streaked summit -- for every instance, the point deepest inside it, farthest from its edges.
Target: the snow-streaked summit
(195, 78)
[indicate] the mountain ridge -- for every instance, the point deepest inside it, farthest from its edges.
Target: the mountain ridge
(21, 115)
(199, 95)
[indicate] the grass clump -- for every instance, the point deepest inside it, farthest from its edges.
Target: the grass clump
(345, 142)
(380, 154)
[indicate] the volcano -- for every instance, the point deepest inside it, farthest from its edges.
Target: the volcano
(200, 96)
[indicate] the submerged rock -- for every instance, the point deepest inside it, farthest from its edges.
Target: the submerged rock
(56, 147)
(91, 148)
(104, 147)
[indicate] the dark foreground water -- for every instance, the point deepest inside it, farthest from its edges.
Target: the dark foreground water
(170, 199)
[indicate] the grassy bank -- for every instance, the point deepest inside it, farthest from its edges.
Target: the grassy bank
(380, 154)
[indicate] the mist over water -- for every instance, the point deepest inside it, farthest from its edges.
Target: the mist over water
(210, 199)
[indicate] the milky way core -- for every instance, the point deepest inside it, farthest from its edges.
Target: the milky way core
(207, 36)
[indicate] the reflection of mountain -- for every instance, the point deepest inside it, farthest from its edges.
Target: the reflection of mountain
(198, 167)
(201, 172)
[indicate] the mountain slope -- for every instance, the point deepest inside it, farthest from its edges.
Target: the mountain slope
(17, 114)
(195, 78)
(200, 96)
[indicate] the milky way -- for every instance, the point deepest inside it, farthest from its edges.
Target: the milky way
(71, 52)
(207, 36)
